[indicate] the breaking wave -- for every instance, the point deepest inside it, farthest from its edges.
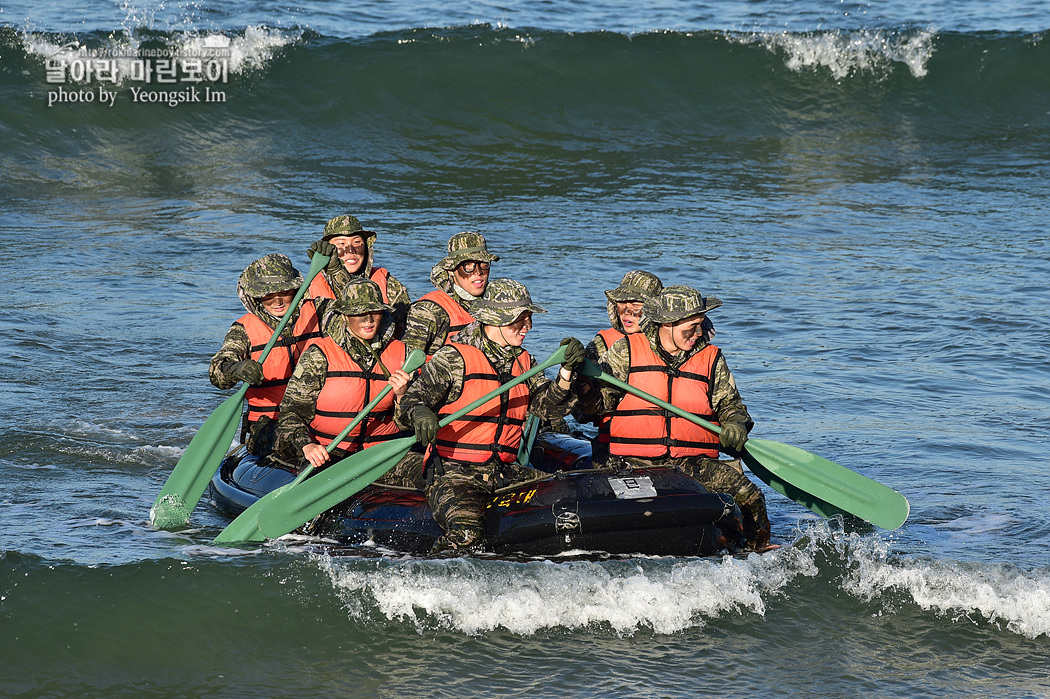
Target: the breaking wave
(667, 596)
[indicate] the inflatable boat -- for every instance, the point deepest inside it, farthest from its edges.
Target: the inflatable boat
(574, 509)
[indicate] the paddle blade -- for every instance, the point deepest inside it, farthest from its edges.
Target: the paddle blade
(189, 479)
(297, 506)
(824, 486)
(246, 525)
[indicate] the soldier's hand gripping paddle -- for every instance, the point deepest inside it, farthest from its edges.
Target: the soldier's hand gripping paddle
(188, 480)
(297, 506)
(812, 481)
(246, 526)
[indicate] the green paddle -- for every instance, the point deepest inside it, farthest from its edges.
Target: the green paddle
(528, 438)
(188, 480)
(812, 481)
(246, 526)
(338, 482)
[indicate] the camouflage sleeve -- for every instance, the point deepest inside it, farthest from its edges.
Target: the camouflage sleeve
(588, 407)
(725, 399)
(547, 399)
(321, 306)
(399, 299)
(616, 363)
(300, 403)
(588, 404)
(596, 349)
(426, 326)
(236, 347)
(337, 279)
(440, 382)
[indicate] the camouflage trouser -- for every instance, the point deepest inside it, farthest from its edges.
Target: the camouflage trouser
(459, 497)
(718, 477)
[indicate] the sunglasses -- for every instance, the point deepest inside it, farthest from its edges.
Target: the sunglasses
(625, 309)
(471, 267)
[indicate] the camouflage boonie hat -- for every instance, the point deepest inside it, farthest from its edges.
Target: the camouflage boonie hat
(466, 246)
(677, 303)
(503, 301)
(360, 296)
(268, 275)
(345, 225)
(636, 286)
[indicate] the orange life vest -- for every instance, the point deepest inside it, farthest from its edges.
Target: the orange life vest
(320, 287)
(347, 389)
(609, 337)
(639, 428)
(458, 317)
(494, 429)
(265, 398)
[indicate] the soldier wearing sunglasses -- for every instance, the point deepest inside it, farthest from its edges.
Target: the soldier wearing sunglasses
(460, 278)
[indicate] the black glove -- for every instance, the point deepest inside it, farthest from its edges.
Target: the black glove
(248, 371)
(574, 354)
(707, 330)
(425, 423)
(733, 436)
(323, 247)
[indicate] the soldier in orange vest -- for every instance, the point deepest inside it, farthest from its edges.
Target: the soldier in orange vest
(624, 305)
(266, 288)
(670, 360)
(478, 453)
(460, 278)
(340, 373)
(351, 251)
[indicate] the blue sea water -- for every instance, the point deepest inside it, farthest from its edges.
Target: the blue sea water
(863, 184)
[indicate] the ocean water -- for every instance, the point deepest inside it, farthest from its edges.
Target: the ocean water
(865, 186)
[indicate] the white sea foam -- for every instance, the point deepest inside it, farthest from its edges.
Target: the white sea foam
(206, 551)
(251, 50)
(975, 525)
(148, 454)
(846, 53)
(84, 428)
(671, 595)
(475, 596)
(1002, 594)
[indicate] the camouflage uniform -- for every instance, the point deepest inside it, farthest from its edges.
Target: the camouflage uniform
(264, 276)
(427, 325)
(716, 475)
(395, 290)
(300, 399)
(460, 494)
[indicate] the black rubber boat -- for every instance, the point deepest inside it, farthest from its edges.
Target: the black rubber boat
(652, 511)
